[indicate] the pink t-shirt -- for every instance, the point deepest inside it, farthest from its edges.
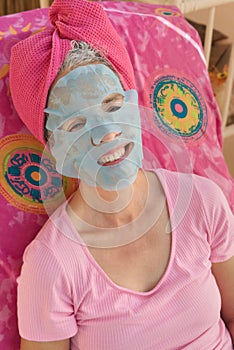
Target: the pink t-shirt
(63, 292)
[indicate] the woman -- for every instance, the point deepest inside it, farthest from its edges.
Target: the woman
(117, 266)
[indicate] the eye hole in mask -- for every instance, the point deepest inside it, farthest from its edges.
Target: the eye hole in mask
(112, 102)
(73, 124)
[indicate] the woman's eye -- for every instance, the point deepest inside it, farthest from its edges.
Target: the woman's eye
(112, 102)
(75, 127)
(73, 124)
(113, 108)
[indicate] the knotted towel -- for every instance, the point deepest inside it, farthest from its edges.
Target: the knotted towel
(36, 60)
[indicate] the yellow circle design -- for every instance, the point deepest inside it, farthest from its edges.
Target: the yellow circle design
(28, 179)
(184, 125)
(180, 109)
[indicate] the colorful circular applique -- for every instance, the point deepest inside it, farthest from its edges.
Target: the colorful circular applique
(28, 179)
(167, 12)
(180, 109)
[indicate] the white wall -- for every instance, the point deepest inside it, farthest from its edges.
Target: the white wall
(223, 18)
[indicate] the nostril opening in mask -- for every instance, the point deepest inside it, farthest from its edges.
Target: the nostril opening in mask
(107, 138)
(105, 133)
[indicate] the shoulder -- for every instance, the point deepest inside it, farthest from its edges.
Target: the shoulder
(192, 183)
(57, 249)
(196, 193)
(58, 231)
(200, 204)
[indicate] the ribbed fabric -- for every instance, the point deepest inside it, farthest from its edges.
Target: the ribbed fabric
(64, 293)
(36, 60)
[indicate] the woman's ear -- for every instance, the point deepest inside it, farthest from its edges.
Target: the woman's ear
(49, 139)
(48, 135)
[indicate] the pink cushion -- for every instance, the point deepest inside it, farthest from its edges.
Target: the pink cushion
(172, 79)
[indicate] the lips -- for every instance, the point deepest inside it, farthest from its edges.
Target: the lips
(116, 156)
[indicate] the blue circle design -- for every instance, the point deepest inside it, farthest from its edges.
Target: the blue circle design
(167, 13)
(178, 114)
(28, 175)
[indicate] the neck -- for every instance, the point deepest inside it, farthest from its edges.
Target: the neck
(111, 208)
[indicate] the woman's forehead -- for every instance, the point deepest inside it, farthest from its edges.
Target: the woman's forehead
(66, 71)
(90, 88)
(87, 82)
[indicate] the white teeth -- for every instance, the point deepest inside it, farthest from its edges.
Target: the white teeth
(111, 157)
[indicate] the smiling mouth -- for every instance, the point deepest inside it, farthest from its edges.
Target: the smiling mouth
(117, 156)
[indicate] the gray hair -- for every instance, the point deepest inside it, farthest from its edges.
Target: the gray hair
(82, 53)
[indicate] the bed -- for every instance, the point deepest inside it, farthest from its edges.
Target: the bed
(181, 125)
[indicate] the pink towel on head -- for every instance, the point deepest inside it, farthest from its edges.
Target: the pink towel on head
(36, 60)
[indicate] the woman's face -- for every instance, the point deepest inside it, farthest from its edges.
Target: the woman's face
(96, 127)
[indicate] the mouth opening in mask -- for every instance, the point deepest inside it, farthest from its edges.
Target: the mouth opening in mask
(116, 156)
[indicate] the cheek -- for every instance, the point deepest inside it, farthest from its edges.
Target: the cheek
(79, 147)
(132, 132)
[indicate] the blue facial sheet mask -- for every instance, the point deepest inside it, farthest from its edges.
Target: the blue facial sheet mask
(84, 107)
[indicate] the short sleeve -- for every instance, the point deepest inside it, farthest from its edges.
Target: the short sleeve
(45, 308)
(220, 222)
